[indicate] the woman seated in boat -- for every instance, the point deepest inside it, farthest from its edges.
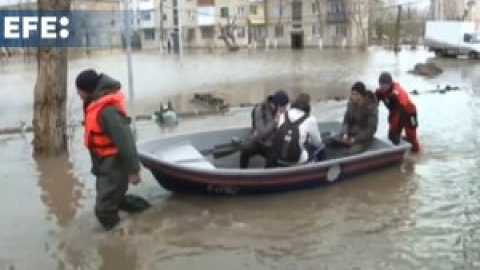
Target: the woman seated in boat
(297, 139)
(360, 121)
(264, 122)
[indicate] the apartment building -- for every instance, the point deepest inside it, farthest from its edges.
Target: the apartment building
(318, 23)
(279, 23)
(454, 9)
(102, 24)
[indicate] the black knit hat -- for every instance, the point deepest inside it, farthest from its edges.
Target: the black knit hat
(279, 98)
(360, 88)
(87, 80)
(385, 78)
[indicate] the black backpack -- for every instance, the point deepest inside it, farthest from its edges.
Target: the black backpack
(286, 141)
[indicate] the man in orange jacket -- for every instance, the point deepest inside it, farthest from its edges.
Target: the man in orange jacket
(402, 111)
(112, 148)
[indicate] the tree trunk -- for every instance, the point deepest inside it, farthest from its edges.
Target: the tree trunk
(49, 121)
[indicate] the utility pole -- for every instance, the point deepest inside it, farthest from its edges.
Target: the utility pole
(396, 47)
(180, 33)
(161, 25)
(128, 41)
(265, 14)
(177, 21)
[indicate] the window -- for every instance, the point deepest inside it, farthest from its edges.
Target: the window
(164, 17)
(277, 10)
(340, 31)
(191, 14)
(241, 32)
(191, 34)
(278, 30)
(145, 15)
(253, 9)
(240, 11)
(476, 38)
(207, 32)
(316, 30)
(338, 7)
(471, 38)
(224, 12)
(297, 11)
(149, 34)
(314, 8)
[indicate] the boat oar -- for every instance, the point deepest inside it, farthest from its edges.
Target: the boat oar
(226, 149)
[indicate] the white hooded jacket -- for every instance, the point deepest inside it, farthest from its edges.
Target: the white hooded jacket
(308, 129)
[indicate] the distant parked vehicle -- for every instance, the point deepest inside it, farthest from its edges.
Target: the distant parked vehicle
(452, 38)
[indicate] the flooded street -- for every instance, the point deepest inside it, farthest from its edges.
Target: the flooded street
(422, 215)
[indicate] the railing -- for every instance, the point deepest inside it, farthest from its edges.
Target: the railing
(337, 17)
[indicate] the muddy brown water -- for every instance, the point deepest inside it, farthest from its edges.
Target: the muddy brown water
(423, 214)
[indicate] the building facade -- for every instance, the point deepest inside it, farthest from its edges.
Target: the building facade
(275, 23)
(453, 9)
(329, 23)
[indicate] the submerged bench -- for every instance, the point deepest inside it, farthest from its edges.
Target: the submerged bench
(184, 155)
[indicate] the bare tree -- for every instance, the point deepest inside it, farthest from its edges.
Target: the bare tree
(359, 15)
(320, 17)
(227, 34)
(49, 121)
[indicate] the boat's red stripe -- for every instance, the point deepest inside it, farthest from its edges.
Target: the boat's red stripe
(270, 180)
(375, 162)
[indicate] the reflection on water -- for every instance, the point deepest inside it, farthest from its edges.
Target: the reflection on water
(117, 254)
(421, 215)
(61, 192)
(276, 232)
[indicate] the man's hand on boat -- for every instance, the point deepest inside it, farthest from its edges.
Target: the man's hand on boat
(348, 140)
(134, 179)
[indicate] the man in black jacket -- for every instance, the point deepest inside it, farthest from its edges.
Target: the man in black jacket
(265, 118)
(360, 121)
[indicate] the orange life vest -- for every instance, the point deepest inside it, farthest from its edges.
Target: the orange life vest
(94, 138)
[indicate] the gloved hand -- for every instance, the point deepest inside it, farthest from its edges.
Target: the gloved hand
(388, 97)
(412, 120)
(380, 94)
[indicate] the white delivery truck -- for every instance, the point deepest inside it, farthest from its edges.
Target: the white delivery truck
(452, 38)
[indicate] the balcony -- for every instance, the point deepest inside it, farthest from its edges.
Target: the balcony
(337, 17)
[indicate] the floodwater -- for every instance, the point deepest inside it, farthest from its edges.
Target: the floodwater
(424, 214)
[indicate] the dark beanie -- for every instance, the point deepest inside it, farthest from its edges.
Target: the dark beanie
(279, 98)
(360, 88)
(87, 80)
(385, 78)
(302, 102)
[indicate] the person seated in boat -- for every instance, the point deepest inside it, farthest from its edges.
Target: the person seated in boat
(297, 139)
(264, 122)
(360, 121)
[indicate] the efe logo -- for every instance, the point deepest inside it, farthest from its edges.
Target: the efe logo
(16, 27)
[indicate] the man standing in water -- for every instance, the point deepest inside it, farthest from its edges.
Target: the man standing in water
(402, 111)
(110, 142)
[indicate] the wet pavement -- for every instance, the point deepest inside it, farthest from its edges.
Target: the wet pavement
(421, 215)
